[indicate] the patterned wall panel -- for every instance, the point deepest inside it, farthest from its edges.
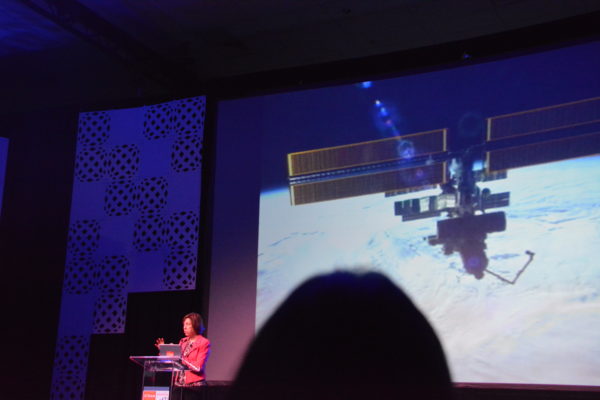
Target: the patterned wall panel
(90, 164)
(71, 354)
(109, 313)
(79, 275)
(183, 230)
(94, 128)
(185, 156)
(189, 116)
(149, 233)
(158, 121)
(134, 222)
(84, 236)
(119, 198)
(70, 364)
(152, 194)
(123, 162)
(67, 388)
(179, 272)
(112, 275)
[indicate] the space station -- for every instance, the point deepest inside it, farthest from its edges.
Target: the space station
(466, 209)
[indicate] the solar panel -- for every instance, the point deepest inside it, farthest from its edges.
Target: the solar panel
(544, 152)
(304, 193)
(545, 119)
(367, 153)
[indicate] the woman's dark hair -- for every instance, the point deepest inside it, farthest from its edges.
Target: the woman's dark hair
(345, 336)
(197, 322)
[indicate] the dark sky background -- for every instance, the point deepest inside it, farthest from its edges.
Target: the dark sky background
(457, 98)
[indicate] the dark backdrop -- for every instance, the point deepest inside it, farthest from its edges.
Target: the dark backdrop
(33, 237)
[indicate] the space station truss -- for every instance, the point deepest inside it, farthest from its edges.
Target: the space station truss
(366, 168)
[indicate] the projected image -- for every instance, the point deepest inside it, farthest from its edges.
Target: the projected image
(474, 188)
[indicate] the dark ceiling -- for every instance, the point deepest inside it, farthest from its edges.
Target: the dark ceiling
(86, 51)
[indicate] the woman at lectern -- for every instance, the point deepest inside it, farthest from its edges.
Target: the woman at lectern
(195, 350)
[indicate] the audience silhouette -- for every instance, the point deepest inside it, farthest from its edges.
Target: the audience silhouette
(345, 335)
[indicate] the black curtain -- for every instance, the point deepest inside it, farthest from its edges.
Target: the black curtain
(33, 236)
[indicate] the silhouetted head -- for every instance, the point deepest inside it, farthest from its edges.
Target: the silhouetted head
(344, 336)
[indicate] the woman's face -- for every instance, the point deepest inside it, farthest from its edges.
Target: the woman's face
(188, 328)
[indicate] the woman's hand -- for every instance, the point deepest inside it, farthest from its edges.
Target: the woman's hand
(159, 341)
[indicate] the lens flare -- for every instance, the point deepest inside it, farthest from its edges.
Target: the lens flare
(388, 122)
(364, 85)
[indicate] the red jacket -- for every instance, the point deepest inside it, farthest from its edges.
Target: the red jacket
(196, 359)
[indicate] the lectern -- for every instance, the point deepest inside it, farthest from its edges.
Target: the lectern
(160, 374)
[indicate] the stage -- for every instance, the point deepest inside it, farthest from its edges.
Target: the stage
(217, 390)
